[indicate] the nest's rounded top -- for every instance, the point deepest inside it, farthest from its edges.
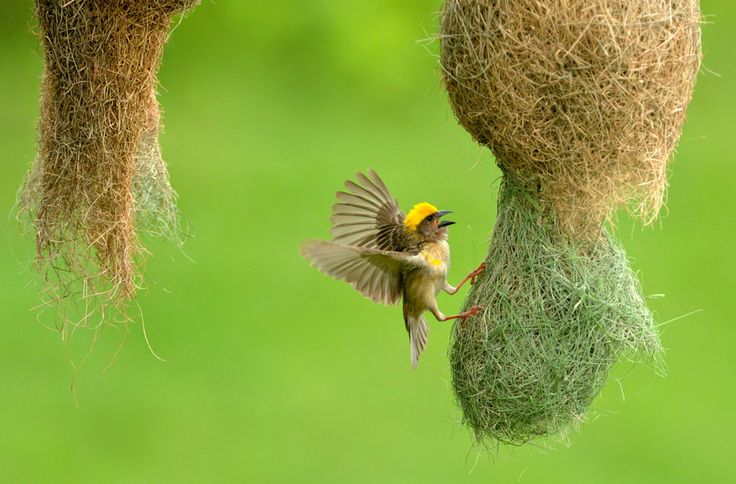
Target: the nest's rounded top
(588, 96)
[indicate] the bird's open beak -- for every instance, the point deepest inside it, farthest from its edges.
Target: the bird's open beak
(445, 223)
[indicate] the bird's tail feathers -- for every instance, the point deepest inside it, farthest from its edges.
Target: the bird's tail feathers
(418, 335)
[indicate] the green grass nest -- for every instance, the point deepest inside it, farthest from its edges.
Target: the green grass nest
(556, 316)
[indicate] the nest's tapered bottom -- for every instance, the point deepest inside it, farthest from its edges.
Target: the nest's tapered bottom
(556, 317)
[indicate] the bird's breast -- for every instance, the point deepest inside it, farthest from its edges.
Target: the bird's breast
(422, 284)
(436, 257)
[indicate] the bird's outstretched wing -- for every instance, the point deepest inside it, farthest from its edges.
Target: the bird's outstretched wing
(373, 272)
(367, 215)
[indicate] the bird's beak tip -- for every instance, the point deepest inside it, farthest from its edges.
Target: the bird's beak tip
(444, 223)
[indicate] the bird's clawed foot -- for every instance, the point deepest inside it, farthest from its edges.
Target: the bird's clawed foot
(475, 309)
(465, 315)
(477, 273)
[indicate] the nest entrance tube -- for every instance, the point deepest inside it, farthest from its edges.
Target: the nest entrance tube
(557, 315)
(99, 172)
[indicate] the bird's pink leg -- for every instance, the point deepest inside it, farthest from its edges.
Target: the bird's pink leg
(472, 277)
(461, 316)
(465, 315)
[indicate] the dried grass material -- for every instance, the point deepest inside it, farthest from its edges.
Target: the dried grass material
(586, 97)
(557, 315)
(156, 213)
(99, 168)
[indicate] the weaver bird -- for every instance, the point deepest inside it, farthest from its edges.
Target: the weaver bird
(388, 256)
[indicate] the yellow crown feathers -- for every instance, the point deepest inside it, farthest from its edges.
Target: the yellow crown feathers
(418, 212)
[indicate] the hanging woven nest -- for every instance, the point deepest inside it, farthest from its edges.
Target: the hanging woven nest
(99, 171)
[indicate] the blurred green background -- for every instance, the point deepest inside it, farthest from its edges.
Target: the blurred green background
(276, 373)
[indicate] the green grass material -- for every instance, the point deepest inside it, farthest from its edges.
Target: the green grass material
(556, 317)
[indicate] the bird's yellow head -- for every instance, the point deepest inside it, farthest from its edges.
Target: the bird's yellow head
(418, 212)
(425, 218)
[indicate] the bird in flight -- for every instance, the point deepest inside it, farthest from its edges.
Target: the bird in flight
(388, 256)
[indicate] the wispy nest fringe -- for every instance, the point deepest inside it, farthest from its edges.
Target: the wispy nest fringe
(99, 170)
(556, 316)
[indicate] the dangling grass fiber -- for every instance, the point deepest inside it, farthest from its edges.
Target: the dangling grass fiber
(556, 316)
(99, 173)
(586, 96)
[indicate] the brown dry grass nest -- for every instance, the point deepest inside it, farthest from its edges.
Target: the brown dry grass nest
(585, 97)
(99, 170)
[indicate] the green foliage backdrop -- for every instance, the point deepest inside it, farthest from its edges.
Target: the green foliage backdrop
(276, 373)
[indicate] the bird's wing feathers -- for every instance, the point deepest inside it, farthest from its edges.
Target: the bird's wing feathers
(374, 273)
(367, 215)
(370, 248)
